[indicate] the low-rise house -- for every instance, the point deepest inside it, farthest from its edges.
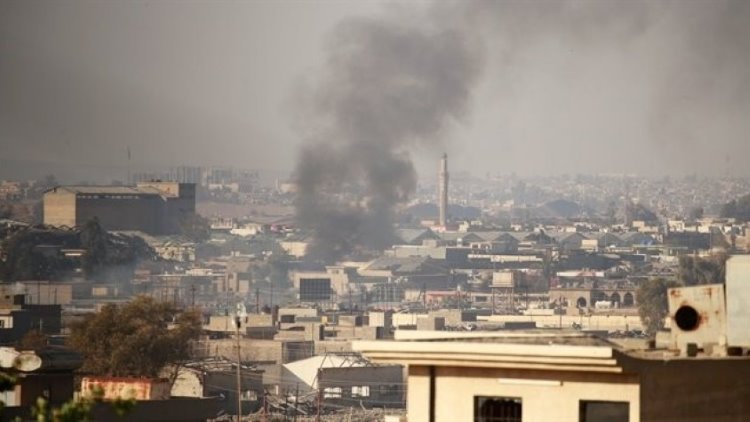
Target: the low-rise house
(45, 292)
(321, 286)
(18, 318)
(343, 380)
(277, 351)
(217, 377)
(153, 401)
(139, 389)
(584, 292)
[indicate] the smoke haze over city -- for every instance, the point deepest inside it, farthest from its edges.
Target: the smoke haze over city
(658, 87)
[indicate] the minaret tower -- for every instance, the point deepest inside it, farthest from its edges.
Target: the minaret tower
(443, 191)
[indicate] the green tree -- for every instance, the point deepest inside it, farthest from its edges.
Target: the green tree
(135, 339)
(652, 303)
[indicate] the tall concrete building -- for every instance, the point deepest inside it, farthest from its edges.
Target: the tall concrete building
(153, 207)
(443, 191)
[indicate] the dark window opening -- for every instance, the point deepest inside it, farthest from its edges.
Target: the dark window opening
(497, 409)
(604, 411)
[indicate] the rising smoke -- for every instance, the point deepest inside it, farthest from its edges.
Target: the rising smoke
(652, 86)
(389, 86)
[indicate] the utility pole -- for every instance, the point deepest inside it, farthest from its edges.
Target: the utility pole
(492, 289)
(265, 406)
(296, 401)
(320, 398)
(257, 300)
(237, 322)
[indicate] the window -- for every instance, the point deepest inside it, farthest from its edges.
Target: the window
(361, 391)
(332, 393)
(497, 409)
(604, 411)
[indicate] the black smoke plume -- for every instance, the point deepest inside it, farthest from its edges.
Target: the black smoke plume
(388, 87)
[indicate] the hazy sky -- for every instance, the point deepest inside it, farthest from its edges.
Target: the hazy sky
(564, 87)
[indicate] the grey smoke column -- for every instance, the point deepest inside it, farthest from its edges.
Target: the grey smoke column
(390, 85)
(443, 190)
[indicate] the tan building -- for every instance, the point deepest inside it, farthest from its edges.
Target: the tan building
(151, 207)
(559, 377)
(321, 286)
(585, 293)
(342, 380)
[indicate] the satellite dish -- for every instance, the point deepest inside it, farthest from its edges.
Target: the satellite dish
(27, 362)
(8, 356)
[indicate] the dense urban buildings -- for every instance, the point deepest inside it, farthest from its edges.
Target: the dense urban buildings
(243, 211)
(506, 310)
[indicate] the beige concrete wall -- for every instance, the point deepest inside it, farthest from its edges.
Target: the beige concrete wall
(311, 331)
(121, 214)
(226, 323)
(298, 312)
(546, 395)
(295, 249)
(59, 208)
(593, 322)
(252, 350)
